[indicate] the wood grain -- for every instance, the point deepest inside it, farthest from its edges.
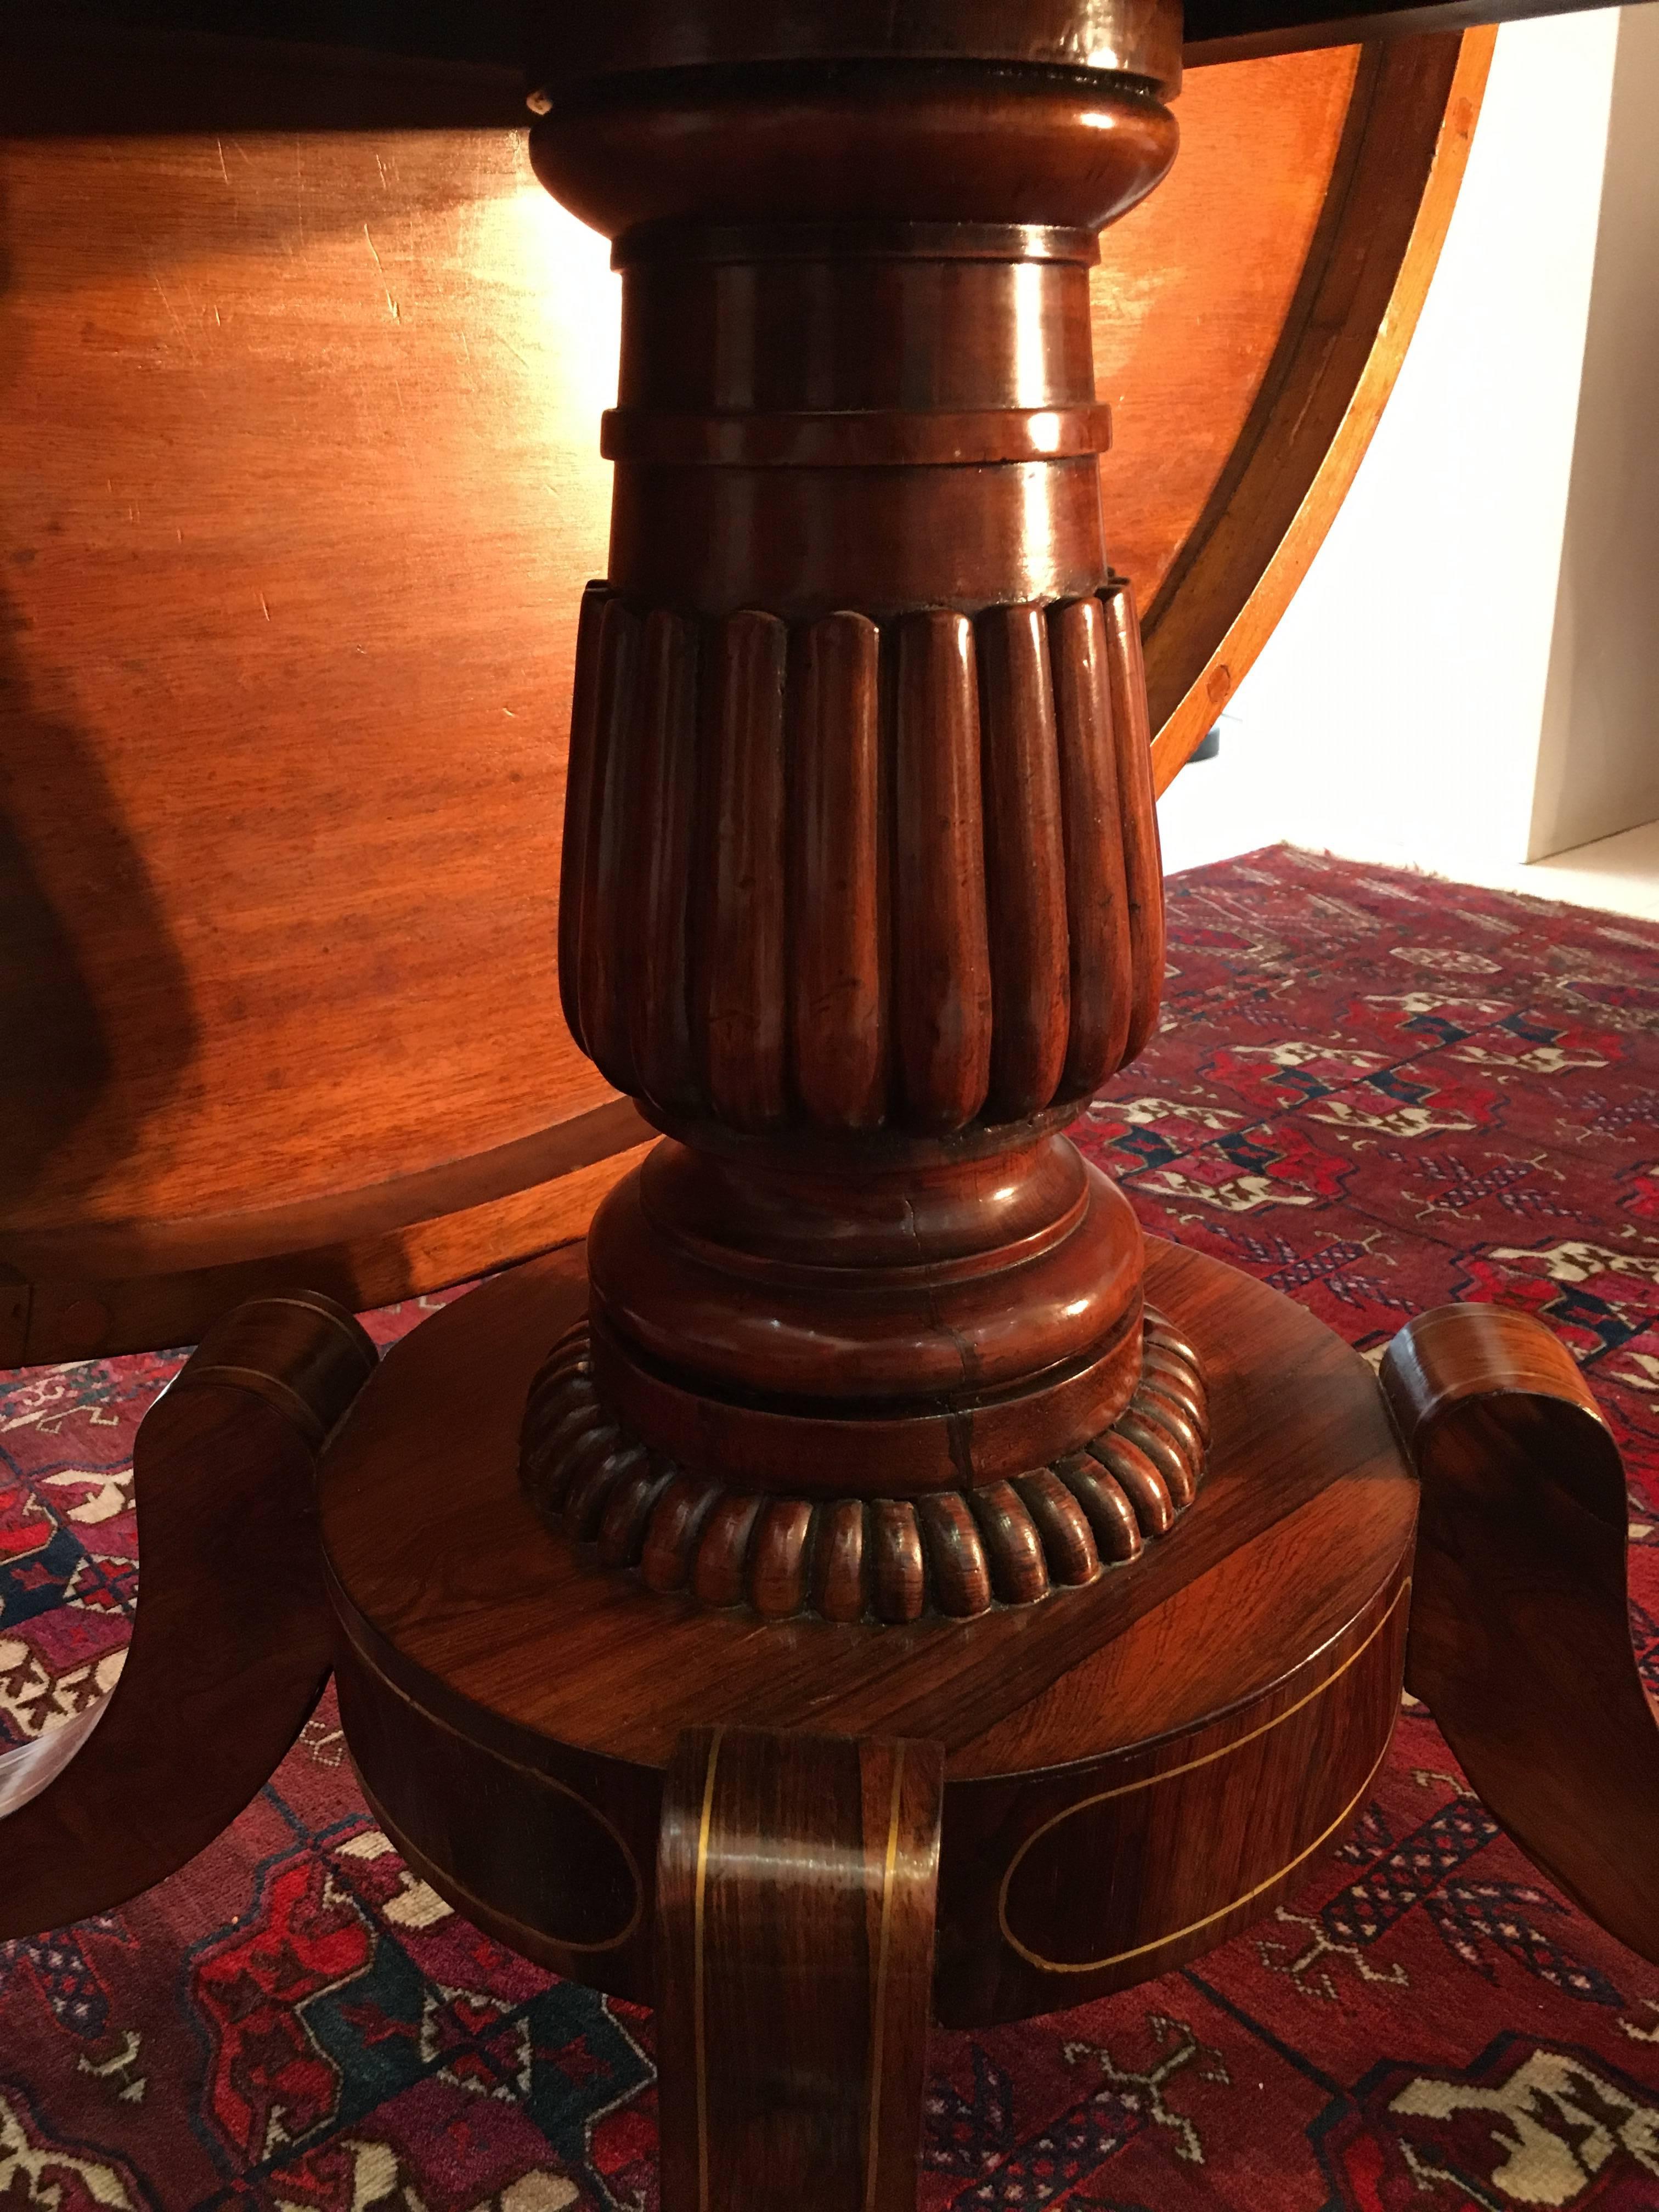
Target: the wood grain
(231, 1646)
(746, 1016)
(930, 1323)
(413, 441)
(1096, 902)
(912, 1302)
(1520, 1632)
(941, 964)
(656, 887)
(275, 579)
(1024, 864)
(608, 930)
(876, 825)
(795, 1884)
(1143, 857)
(469, 1380)
(553, 1183)
(837, 881)
(1253, 1659)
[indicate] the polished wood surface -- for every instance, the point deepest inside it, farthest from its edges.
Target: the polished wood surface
(827, 312)
(967, 1530)
(273, 570)
(358, 498)
(795, 1885)
(73, 1318)
(485, 1660)
(230, 1648)
(1520, 1635)
(855, 1581)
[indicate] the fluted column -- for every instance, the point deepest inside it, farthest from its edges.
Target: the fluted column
(861, 895)
(909, 902)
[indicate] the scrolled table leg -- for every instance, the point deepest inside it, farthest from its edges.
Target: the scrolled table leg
(232, 1644)
(1520, 1637)
(795, 1893)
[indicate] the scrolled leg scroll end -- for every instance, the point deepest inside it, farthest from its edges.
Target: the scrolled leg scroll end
(1520, 1634)
(232, 1644)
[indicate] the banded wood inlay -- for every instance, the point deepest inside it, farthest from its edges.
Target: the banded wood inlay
(847, 874)
(955, 1553)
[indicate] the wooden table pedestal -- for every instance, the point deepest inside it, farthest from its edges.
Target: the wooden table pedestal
(861, 1584)
(799, 1837)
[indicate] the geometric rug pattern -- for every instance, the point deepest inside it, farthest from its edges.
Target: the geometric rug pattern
(1375, 1091)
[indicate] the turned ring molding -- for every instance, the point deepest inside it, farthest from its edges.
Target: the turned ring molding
(947, 1553)
(855, 438)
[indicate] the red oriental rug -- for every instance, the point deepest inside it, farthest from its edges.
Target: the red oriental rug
(1377, 1092)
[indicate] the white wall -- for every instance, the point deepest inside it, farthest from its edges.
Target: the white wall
(1395, 714)
(1598, 760)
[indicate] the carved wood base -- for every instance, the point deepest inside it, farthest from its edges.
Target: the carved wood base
(1132, 1772)
(952, 1551)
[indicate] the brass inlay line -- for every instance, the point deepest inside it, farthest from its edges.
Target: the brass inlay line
(699, 2025)
(1175, 1935)
(535, 1774)
(1170, 1774)
(872, 2155)
(518, 1934)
